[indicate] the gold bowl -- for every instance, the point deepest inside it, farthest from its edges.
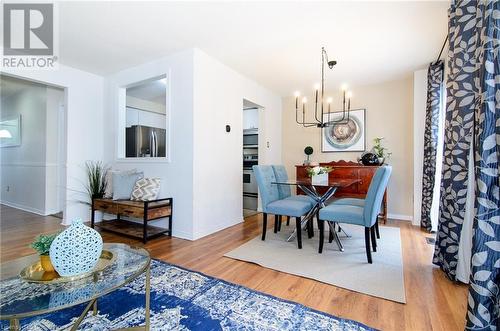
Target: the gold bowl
(35, 273)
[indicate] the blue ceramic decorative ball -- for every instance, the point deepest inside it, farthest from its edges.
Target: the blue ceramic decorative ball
(76, 250)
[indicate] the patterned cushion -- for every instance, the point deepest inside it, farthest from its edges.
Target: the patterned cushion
(146, 189)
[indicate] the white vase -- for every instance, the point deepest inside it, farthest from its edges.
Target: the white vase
(319, 179)
(76, 250)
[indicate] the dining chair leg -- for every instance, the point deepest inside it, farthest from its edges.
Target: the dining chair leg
(279, 223)
(376, 229)
(287, 220)
(276, 223)
(321, 226)
(330, 236)
(310, 228)
(299, 232)
(374, 241)
(264, 226)
(367, 244)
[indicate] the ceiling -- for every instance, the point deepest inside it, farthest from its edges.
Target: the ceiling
(278, 44)
(154, 91)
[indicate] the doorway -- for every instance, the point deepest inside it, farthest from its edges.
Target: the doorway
(250, 157)
(32, 147)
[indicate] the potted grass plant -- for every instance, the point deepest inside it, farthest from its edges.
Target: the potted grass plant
(96, 182)
(41, 244)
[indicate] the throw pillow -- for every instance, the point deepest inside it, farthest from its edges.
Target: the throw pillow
(146, 189)
(109, 179)
(123, 184)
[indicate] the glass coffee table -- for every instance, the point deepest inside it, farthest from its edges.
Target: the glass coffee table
(21, 299)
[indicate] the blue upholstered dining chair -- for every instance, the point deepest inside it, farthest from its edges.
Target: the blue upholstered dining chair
(365, 215)
(272, 204)
(355, 202)
(285, 191)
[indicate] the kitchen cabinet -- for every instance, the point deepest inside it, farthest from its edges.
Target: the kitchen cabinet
(154, 120)
(250, 118)
(145, 118)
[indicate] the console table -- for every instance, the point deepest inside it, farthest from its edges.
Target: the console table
(348, 170)
(145, 210)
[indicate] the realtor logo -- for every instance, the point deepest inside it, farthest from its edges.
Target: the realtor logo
(29, 36)
(28, 29)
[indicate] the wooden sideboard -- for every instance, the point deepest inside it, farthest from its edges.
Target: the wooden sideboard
(351, 170)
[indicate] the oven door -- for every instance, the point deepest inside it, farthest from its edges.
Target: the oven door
(250, 140)
(249, 183)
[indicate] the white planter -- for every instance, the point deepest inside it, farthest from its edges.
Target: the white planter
(319, 179)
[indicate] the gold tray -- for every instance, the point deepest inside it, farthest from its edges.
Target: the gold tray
(35, 274)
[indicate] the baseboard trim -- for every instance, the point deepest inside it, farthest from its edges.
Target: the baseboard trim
(25, 208)
(400, 217)
(218, 227)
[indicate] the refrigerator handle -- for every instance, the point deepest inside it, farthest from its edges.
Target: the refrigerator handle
(156, 143)
(151, 143)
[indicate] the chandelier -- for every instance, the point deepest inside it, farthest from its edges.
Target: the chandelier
(320, 120)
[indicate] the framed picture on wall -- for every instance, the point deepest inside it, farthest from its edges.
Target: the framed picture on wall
(10, 132)
(347, 135)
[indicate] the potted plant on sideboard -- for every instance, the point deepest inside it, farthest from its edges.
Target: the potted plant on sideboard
(380, 151)
(96, 182)
(308, 151)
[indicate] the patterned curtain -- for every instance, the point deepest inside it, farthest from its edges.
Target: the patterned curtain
(473, 111)
(458, 128)
(484, 295)
(432, 116)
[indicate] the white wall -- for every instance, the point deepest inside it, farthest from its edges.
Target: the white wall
(177, 174)
(54, 155)
(218, 101)
(204, 170)
(419, 109)
(84, 110)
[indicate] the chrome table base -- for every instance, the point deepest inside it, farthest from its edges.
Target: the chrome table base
(320, 203)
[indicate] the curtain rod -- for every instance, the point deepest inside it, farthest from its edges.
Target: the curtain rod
(442, 48)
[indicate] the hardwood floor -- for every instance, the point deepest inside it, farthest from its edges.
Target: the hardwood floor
(433, 302)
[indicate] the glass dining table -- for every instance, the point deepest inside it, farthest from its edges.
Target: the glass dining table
(311, 189)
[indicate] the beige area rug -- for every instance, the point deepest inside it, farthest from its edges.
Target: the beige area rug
(348, 269)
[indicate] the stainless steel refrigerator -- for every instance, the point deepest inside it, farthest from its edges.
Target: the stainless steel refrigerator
(145, 141)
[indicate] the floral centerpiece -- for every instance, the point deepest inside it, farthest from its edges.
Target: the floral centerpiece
(41, 244)
(319, 175)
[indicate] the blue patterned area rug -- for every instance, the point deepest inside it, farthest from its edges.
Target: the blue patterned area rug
(187, 300)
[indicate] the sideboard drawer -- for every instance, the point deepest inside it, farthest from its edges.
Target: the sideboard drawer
(131, 211)
(365, 176)
(104, 206)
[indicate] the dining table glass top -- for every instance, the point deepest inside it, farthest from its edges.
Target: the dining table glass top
(332, 182)
(20, 298)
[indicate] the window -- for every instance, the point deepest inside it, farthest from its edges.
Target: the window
(146, 119)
